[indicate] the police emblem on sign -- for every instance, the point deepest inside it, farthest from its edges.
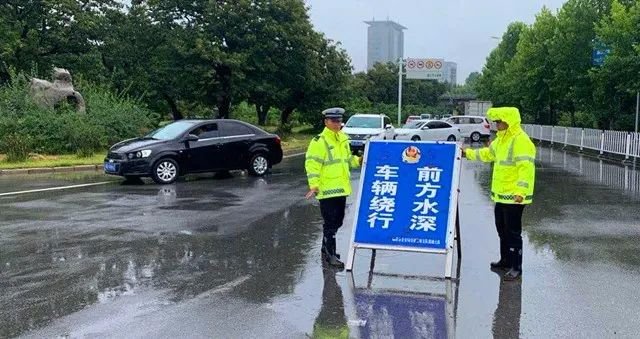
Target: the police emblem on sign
(411, 155)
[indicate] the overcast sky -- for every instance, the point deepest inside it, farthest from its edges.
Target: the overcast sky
(456, 30)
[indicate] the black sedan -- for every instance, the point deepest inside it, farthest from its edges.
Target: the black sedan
(195, 146)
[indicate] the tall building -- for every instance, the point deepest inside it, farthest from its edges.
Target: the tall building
(385, 42)
(450, 73)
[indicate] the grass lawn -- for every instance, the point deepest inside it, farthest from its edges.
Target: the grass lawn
(53, 161)
(298, 140)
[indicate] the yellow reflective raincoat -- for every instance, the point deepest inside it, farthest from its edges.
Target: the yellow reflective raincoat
(513, 155)
(328, 164)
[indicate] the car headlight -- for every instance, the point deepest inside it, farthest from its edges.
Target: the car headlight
(139, 154)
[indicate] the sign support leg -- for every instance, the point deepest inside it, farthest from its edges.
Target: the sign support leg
(458, 241)
(350, 258)
(451, 249)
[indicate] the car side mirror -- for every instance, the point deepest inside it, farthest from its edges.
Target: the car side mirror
(425, 127)
(191, 137)
(388, 126)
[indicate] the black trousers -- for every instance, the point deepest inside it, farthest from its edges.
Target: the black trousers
(332, 210)
(509, 226)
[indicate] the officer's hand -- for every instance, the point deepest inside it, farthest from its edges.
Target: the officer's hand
(312, 193)
(360, 160)
(464, 151)
(518, 199)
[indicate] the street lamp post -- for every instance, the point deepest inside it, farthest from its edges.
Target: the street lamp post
(400, 63)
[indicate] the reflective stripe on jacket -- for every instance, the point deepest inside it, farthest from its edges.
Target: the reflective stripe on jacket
(513, 155)
(328, 163)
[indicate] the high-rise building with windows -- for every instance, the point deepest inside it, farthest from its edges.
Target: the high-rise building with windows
(385, 42)
(450, 73)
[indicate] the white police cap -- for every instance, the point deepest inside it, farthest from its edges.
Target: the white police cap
(335, 112)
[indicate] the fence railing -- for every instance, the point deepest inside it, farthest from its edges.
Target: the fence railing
(622, 143)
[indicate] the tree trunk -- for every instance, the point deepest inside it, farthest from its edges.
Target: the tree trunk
(284, 119)
(296, 99)
(223, 99)
(286, 114)
(177, 115)
(262, 111)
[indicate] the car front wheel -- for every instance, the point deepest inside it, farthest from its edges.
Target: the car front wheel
(451, 138)
(258, 165)
(415, 138)
(165, 171)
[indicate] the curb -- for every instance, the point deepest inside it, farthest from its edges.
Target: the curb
(81, 168)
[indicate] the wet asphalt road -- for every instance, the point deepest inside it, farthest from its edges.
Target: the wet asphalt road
(238, 258)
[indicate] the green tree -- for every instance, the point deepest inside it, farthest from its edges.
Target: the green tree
(616, 82)
(532, 70)
(571, 52)
(46, 33)
(380, 85)
(471, 83)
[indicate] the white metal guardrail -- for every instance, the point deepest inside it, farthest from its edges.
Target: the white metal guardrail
(598, 172)
(622, 143)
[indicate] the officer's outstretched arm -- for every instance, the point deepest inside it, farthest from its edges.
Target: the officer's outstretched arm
(314, 161)
(485, 154)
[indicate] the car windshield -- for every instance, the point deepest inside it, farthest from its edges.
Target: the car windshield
(364, 122)
(171, 131)
(414, 124)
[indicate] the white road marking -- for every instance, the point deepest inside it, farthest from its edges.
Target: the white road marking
(54, 188)
(89, 185)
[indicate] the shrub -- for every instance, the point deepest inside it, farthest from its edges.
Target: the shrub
(110, 117)
(17, 147)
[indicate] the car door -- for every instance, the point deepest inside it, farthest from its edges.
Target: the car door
(453, 120)
(448, 130)
(430, 131)
(441, 130)
(236, 140)
(465, 126)
(205, 153)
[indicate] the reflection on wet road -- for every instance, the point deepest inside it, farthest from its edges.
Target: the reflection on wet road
(239, 257)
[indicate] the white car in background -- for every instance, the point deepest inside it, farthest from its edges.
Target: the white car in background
(362, 127)
(429, 130)
(472, 127)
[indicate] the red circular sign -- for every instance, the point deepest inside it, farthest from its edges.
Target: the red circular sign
(411, 64)
(429, 64)
(438, 64)
(420, 63)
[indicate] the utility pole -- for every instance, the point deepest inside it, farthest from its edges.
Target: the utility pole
(400, 63)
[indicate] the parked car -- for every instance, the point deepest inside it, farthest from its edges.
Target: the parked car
(426, 116)
(472, 127)
(412, 118)
(432, 130)
(362, 127)
(194, 146)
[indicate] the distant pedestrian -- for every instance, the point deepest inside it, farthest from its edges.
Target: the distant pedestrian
(328, 164)
(513, 156)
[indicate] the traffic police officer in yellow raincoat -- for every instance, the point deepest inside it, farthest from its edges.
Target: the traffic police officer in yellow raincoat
(328, 164)
(513, 156)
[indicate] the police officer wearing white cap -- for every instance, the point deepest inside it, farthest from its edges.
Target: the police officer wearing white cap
(328, 163)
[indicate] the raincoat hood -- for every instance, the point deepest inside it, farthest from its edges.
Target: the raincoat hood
(510, 115)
